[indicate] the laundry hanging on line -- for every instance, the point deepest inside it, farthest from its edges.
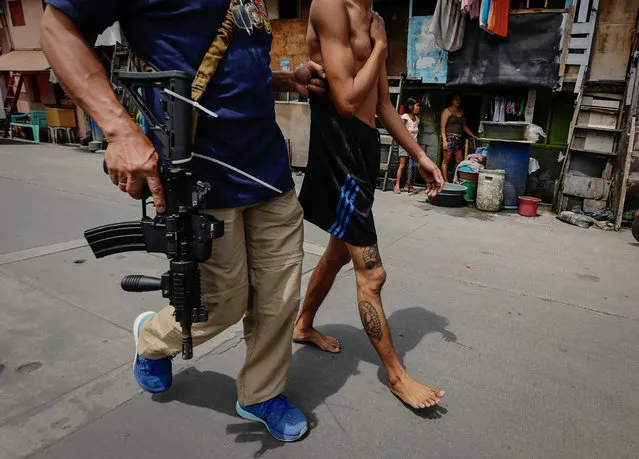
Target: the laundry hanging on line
(449, 20)
(493, 16)
(498, 19)
(504, 109)
(449, 25)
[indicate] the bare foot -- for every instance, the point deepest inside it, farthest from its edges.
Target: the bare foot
(414, 393)
(312, 336)
(398, 190)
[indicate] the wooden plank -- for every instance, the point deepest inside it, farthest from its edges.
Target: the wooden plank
(583, 10)
(607, 172)
(578, 43)
(565, 48)
(597, 128)
(594, 152)
(582, 28)
(598, 141)
(595, 119)
(590, 101)
(605, 95)
(595, 109)
(586, 187)
(576, 59)
(626, 173)
(593, 205)
(573, 122)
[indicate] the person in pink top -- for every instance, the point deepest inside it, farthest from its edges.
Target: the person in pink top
(411, 120)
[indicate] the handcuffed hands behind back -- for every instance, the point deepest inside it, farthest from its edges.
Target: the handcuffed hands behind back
(311, 77)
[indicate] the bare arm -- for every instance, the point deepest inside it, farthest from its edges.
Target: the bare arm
(468, 131)
(396, 127)
(349, 90)
(131, 157)
(283, 81)
(308, 78)
(444, 123)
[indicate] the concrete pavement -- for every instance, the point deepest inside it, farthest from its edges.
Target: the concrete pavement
(529, 324)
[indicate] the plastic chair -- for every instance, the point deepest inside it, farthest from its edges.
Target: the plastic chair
(39, 118)
(34, 120)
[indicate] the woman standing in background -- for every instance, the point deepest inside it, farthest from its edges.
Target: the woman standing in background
(453, 125)
(411, 119)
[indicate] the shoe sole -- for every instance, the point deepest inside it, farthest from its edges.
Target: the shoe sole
(136, 332)
(251, 417)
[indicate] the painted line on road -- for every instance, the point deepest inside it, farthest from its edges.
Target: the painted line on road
(38, 252)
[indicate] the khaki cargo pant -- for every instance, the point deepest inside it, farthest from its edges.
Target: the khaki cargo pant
(254, 273)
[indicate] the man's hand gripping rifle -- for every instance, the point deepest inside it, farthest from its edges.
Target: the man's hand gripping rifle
(181, 232)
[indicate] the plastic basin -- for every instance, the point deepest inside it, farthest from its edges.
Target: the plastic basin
(528, 206)
(451, 196)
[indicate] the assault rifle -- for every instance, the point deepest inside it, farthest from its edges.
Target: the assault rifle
(181, 233)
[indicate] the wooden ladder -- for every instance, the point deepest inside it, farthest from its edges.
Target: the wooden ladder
(121, 60)
(10, 102)
(595, 127)
(593, 136)
(628, 179)
(396, 86)
(580, 35)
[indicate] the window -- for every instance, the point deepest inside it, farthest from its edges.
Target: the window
(289, 9)
(17, 13)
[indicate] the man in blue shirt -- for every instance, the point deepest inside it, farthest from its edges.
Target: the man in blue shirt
(255, 269)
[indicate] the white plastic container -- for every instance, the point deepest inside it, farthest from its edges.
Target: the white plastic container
(490, 190)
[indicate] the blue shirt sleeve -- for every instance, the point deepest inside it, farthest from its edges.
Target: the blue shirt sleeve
(91, 16)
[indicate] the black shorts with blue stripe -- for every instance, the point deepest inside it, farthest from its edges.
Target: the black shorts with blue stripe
(341, 175)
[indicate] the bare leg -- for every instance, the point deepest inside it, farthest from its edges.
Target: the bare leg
(371, 276)
(448, 155)
(334, 258)
(459, 157)
(400, 172)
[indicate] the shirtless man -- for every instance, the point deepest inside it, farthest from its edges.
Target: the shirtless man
(349, 39)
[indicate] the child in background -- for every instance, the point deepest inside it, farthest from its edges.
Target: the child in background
(411, 120)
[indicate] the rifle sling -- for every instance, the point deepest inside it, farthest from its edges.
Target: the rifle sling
(209, 64)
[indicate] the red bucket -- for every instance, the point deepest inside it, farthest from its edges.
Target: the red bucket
(528, 206)
(470, 176)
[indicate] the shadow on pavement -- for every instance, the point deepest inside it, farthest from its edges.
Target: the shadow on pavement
(315, 375)
(466, 211)
(216, 391)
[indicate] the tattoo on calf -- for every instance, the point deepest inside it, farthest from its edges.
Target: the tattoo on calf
(370, 320)
(371, 257)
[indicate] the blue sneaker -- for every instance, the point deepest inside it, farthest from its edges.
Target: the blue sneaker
(153, 376)
(282, 419)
